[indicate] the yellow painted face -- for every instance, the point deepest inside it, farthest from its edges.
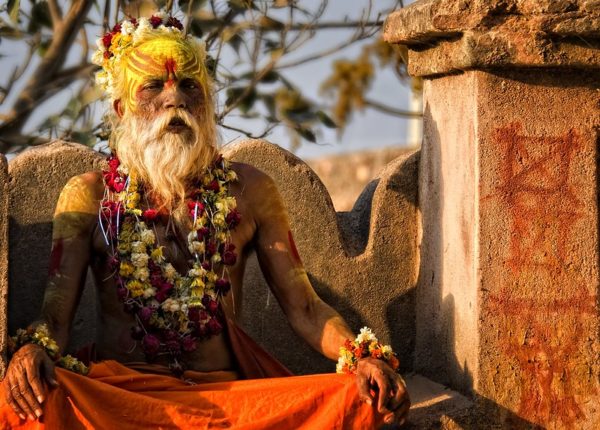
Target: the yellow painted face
(166, 58)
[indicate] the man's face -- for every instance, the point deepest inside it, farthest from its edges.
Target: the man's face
(168, 95)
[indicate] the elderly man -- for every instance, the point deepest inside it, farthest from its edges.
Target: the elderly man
(167, 229)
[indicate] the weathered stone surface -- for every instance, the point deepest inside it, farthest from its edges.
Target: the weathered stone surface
(363, 262)
(36, 178)
(507, 298)
(3, 260)
(447, 36)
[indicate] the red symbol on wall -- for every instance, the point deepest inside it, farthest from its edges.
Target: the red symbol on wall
(542, 333)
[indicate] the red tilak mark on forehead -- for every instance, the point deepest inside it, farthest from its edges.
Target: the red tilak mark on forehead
(55, 257)
(170, 66)
(293, 246)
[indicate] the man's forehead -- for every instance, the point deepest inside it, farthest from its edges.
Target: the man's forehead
(160, 58)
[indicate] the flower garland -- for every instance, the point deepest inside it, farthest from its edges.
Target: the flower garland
(173, 311)
(41, 336)
(365, 345)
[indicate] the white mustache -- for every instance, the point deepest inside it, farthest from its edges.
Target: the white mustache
(161, 124)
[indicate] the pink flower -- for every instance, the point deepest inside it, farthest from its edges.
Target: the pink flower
(150, 345)
(213, 186)
(145, 314)
(229, 256)
(233, 218)
(113, 163)
(107, 39)
(214, 326)
(213, 306)
(202, 232)
(189, 344)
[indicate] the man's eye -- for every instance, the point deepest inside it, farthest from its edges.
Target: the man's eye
(190, 85)
(153, 86)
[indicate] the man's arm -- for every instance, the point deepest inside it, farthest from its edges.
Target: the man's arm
(315, 321)
(30, 370)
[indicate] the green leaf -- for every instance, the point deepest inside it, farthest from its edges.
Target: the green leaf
(196, 27)
(86, 138)
(196, 5)
(307, 134)
(211, 66)
(240, 5)
(269, 101)
(326, 120)
(43, 47)
(233, 94)
(13, 7)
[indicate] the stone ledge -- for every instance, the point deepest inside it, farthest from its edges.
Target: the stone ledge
(446, 36)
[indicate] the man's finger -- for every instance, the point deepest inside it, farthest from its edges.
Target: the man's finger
(18, 394)
(402, 412)
(383, 389)
(37, 387)
(27, 398)
(364, 391)
(399, 394)
(10, 386)
(50, 372)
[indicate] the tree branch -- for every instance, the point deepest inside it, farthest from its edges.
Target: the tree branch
(392, 111)
(247, 133)
(46, 70)
(55, 14)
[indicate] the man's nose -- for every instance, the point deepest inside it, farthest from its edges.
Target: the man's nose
(174, 99)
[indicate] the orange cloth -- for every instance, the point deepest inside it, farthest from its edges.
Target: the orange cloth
(114, 396)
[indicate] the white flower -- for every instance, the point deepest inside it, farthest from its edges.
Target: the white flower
(387, 351)
(127, 28)
(219, 220)
(169, 271)
(148, 237)
(141, 273)
(100, 44)
(139, 247)
(149, 292)
(366, 335)
(197, 247)
(139, 259)
(171, 305)
(215, 258)
(197, 271)
(162, 15)
(98, 58)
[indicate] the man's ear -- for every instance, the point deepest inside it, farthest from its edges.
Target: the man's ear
(118, 106)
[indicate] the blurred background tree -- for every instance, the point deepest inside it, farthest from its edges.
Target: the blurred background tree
(251, 44)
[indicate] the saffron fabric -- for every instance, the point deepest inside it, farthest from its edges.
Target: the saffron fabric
(113, 396)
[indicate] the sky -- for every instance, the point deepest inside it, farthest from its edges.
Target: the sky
(367, 130)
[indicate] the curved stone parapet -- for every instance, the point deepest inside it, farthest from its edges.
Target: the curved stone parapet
(36, 178)
(362, 262)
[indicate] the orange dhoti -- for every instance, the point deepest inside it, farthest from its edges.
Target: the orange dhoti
(113, 396)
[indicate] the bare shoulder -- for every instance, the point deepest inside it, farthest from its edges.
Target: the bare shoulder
(255, 183)
(81, 194)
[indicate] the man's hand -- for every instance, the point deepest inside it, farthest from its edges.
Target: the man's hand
(29, 374)
(378, 384)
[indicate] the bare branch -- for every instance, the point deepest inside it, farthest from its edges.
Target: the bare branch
(46, 70)
(248, 134)
(106, 15)
(55, 14)
(392, 111)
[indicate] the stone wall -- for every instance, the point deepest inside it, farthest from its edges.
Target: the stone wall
(362, 262)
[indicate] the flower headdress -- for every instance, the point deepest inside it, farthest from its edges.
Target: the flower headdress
(123, 53)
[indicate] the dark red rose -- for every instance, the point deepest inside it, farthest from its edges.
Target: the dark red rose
(222, 286)
(213, 186)
(163, 291)
(145, 313)
(122, 293)
(117, 28)
(107, 55)
(150, 215)
(170, 335)
(155, 21)
(229, 256)
(205, 265)
(107, 39)
(194, 313)
(137, 333)
(211, 248)
(212, 307)
(214, 326)
(202, 233)
(233, 218)
(173, 346)
(189, 344)
(133, 21)
(150, 345)
(205, 301)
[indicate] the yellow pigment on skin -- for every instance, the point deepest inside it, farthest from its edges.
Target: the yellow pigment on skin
(165, 57)
(76, 204)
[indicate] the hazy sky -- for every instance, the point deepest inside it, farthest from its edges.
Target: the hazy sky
(369, 129)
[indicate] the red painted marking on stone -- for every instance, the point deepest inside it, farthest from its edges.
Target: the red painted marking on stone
(543, 336)
(55, 257)
(293, 247)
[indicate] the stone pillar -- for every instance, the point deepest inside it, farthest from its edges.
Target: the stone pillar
(507, 298)
(3, 259)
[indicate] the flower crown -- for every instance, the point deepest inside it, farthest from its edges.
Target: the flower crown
(127, 34)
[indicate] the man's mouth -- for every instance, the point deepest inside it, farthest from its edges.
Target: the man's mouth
(177, 125)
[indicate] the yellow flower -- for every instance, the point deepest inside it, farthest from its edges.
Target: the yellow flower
(138, 246)
(126, 268)
(157, 255)
(136, 288)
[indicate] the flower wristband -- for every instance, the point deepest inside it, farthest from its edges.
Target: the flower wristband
(41, 336)
(365, 345)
